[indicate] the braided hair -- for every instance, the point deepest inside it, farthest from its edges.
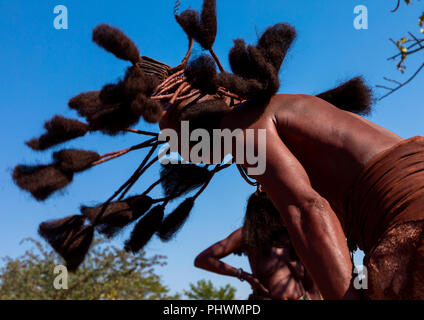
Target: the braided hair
(148, 90)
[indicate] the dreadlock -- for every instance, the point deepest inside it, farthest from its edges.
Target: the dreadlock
(262, 227)
(175, 220)
(189, 22)
(118, 214)
(151, 110)
(58, 130)
(275, 42)
(145, 229)
(203, 29)
(41, 180)
(353, 95)
(179, 179)
(201, 74)
(113, 119)
(205, 115)
(69, 238)
(75, 160)
(116, 42)
(137, 81)
(86, 104)
(208, 24)
(44, 180)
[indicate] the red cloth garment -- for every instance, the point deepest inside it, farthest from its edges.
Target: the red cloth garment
(385, 218)
(388, 192)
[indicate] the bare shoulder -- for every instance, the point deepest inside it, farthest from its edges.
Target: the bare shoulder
(285, 99)
(251, 114)
(296, 103)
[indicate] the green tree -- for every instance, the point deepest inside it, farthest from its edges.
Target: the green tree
(205, 290)
(406, 46)
(107, 273)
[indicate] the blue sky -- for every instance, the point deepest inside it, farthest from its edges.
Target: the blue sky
(43, 67)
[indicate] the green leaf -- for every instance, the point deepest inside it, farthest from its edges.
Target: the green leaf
(205, 290)
(107, 274)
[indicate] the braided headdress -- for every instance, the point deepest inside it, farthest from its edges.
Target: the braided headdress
(150, 90)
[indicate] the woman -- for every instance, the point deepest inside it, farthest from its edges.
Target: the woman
(277, 273)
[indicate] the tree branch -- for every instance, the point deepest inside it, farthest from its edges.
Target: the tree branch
(392, 90)
(418, 42)
(397, 6)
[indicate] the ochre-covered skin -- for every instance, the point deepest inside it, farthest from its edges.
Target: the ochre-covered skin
(275, 276)
(314, 153)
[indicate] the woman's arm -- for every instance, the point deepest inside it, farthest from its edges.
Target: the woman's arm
(210, 260)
